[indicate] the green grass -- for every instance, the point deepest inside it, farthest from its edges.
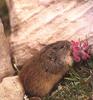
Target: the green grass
(76, 85)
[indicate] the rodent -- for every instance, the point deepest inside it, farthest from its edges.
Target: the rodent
(44, 70)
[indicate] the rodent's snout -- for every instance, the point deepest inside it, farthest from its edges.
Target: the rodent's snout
(69, 60)
(66, 58)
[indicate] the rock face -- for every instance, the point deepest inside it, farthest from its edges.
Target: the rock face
(5, 60)
(11, 89)
(36, 22)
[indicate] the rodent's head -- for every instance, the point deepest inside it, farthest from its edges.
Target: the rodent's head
(56, 56)
(64, 56)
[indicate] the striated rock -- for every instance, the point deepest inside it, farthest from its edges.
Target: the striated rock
(37, 22)
(5, 60)
(11, 89)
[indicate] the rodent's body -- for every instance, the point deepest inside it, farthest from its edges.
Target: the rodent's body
(45, 69)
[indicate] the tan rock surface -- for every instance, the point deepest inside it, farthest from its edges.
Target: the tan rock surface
(5, 60)
(11, 89)
(36, 22)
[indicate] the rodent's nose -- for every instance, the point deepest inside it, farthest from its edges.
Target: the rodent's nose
(69, 60)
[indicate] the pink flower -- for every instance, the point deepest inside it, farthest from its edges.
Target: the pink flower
(80, 50)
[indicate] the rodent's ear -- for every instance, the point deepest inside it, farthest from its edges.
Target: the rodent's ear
(35, 51)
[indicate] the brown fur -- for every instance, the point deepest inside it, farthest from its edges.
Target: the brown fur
(45, 69)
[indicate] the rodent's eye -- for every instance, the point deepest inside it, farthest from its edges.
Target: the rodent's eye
(51, 58)
(55, 48)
